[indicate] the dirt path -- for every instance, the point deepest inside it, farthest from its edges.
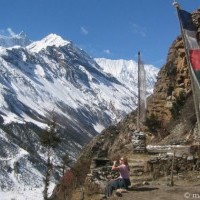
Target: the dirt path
(161, 193)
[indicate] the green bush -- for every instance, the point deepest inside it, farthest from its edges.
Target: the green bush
(152, 123)
(170, 90)
(178, 104)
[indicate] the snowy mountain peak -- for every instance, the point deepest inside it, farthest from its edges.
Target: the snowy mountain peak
(50, 40)
(126, 72)
(116, 67)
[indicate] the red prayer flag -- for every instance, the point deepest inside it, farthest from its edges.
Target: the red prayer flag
(195, 59)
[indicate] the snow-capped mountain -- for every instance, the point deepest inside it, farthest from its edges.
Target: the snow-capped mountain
(126, 71)
(45, 77)
(50, 40)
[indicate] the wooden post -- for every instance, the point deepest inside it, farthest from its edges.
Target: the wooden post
(172, 170)
(138, 117)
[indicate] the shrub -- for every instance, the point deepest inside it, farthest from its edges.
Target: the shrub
(170, 90)
(178, 104)
(69, 179)
(152, 123)
(74, 178)
(81, 169)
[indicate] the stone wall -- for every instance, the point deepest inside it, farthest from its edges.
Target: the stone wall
(100, 172)
(138, 140)
(162, 165)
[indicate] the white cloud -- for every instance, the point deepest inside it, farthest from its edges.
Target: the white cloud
(7, 32)
(84, 31)
(136, 29)
(11, 32)
(107, 51)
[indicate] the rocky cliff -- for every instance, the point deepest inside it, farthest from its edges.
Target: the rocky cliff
(173, 79)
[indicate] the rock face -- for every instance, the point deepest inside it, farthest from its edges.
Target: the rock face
(173, 79)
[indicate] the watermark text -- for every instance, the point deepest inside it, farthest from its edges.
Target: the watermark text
(189, 195)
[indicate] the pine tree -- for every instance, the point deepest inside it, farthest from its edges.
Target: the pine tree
(50, 140)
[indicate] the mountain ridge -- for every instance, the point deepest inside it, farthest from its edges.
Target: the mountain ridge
(123, 70)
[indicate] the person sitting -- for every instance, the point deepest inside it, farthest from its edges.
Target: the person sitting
(123, 181)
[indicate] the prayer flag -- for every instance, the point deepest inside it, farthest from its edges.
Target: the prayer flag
(191, 43)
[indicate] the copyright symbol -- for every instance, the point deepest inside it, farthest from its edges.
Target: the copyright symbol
(187, 195)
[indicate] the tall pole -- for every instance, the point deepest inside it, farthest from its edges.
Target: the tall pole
(139, 109)
(196, 100)
(172, 170)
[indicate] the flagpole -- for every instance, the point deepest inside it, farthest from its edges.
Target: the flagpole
(138, 117)
(175, 4)
(196, 101)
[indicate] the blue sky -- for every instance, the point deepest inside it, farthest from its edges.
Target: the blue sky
(115, 29)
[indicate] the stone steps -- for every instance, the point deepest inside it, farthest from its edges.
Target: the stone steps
(140, 179)
(137, 167)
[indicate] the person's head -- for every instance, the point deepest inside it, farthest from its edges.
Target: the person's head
(123, 160)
